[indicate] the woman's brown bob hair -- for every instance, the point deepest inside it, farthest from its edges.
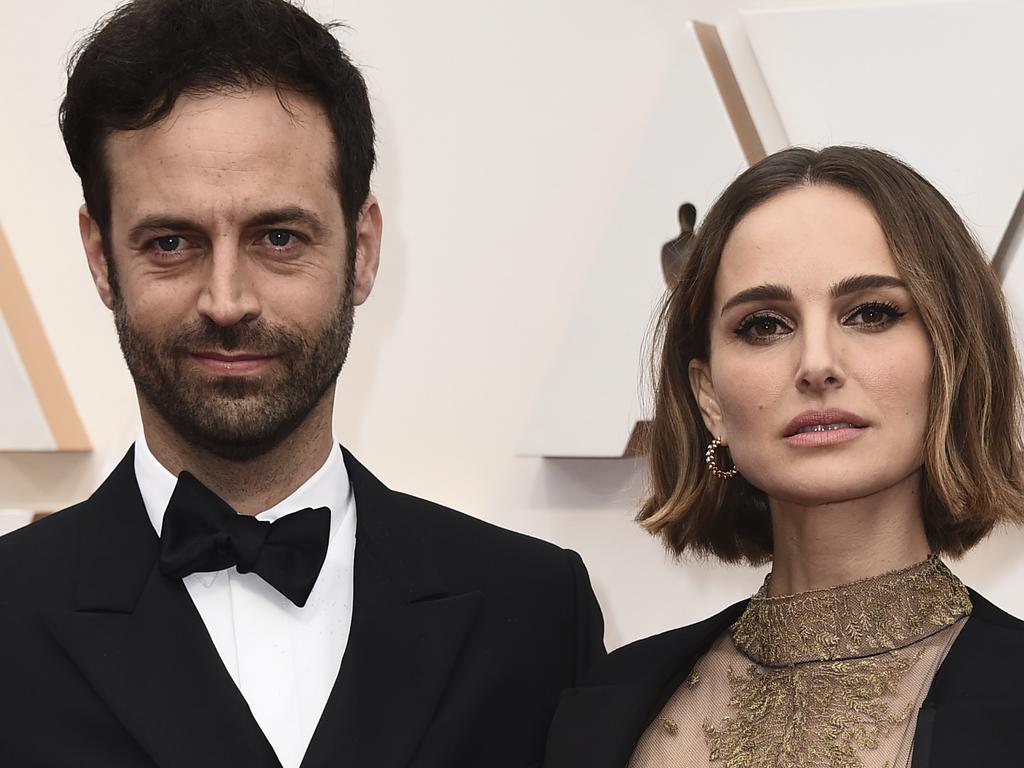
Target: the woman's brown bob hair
(972, 453)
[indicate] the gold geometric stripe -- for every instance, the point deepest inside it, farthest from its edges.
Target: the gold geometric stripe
(729, 89)
(1013, 235)
(32, 347)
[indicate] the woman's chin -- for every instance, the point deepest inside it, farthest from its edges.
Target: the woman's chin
(811, 495)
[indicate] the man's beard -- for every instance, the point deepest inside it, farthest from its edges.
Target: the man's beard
(236, 417)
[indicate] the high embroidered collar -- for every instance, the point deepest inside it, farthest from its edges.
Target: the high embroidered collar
(868, 617)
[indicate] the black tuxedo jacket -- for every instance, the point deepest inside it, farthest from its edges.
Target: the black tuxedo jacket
(463, 635)
(973, 714)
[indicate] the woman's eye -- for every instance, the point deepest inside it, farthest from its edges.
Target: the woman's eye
(873, 315)
(760, 329)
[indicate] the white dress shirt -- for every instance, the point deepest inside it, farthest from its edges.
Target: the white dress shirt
(284, 659)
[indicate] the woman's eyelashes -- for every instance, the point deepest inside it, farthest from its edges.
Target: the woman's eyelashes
(765, 327)
(874, 315)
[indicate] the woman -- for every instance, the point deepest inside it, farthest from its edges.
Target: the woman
(838, 393)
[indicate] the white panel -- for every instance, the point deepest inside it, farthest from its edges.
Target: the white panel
(23, 426)
(940, 85)
(591, 398)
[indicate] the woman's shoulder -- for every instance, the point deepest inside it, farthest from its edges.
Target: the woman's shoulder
(987, 613)
(659, 656)
(599, 721)
(987, 659)
(991, 636)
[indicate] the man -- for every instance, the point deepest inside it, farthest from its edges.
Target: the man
(241, 591)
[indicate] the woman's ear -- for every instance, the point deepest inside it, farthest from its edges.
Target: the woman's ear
(707, 400)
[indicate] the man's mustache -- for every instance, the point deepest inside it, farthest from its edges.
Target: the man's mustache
(259, 337)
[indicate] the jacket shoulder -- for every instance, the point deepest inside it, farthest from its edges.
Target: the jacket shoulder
(660, 655)
(471, 550)
(37, 555)
(986, 612)
(987, 659)
(991, 643)
(448, 523)
(41, 537)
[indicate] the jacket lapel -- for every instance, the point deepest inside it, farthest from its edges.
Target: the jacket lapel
(139, 641)
(971, 714)
(407, 631)
(599, 725)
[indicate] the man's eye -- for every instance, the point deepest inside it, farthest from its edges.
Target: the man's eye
(171, 243)
(280, 238)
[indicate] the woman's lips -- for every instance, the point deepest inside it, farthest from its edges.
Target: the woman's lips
(823, 427)
(231, 365)
(833, 435)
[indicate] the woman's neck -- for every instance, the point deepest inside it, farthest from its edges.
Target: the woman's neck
(817, 547)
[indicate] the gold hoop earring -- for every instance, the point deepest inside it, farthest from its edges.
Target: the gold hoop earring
(711, 459)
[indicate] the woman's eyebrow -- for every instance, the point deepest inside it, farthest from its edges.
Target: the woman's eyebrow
(864, 282)
(848, 285)
(766, 292)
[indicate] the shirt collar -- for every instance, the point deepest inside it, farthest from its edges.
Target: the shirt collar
(327, 487)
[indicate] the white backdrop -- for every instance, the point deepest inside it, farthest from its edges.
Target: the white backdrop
(505, 131)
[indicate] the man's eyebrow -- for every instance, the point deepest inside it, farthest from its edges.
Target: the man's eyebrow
(275, 216)
(856, 283)
(293, 214)
(766, 292)
(158, 221)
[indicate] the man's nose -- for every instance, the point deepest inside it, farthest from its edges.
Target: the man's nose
(228, 296)
(820, 367)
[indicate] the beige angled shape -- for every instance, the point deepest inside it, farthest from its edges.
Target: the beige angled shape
(939, 84)
(697, 136)
(36, 409)
(1010, 243)
(729, 89)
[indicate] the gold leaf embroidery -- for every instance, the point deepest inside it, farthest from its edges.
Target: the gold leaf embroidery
(808, 716)
(826, 666)
(867, 617)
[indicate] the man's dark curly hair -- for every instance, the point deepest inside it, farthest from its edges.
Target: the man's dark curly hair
(129, 71)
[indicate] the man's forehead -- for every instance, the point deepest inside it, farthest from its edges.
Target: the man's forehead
(223, 135)
(234, 119)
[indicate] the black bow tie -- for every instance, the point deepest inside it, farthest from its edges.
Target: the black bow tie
(201, 532)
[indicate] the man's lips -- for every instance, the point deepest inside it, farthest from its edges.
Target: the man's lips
(231, 363)
(823, 427)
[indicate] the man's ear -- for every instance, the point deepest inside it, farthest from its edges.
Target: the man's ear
(704, 393)
(369, 228)
(92, 242)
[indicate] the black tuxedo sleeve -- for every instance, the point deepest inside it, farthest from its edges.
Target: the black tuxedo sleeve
(589, 621)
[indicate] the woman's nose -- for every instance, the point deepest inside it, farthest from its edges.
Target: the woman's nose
(820, 367)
